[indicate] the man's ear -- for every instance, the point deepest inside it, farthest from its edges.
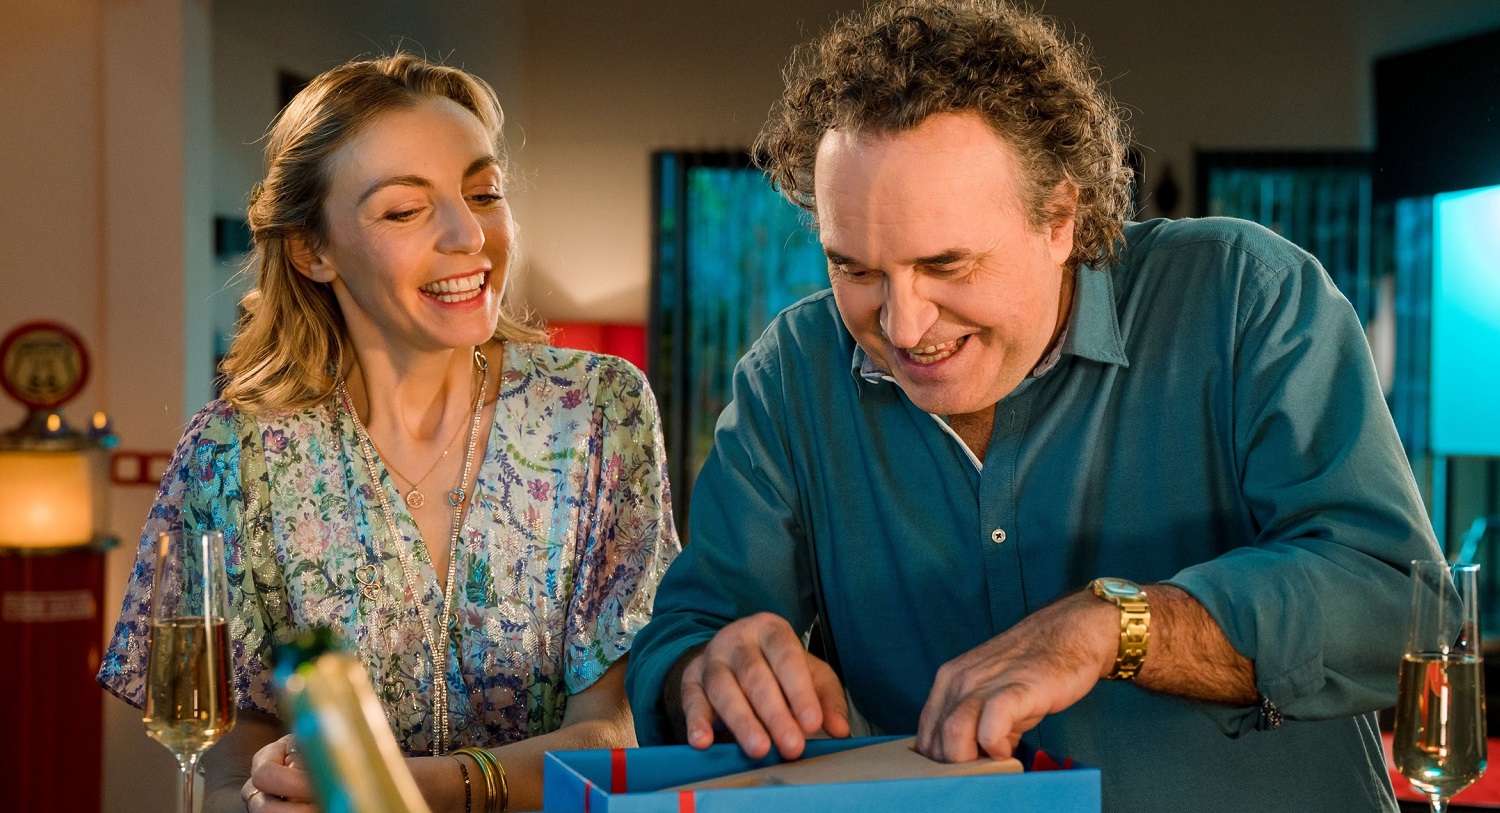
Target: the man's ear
(1062, 216)
(309, 263)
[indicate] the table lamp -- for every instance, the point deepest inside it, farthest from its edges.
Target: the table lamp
(52, 478)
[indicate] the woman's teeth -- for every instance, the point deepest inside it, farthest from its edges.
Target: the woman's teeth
(933, 353)
(456, 290)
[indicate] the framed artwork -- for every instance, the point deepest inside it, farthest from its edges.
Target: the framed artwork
(728, 254)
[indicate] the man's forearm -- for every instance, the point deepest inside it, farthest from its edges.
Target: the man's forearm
(1189, 655)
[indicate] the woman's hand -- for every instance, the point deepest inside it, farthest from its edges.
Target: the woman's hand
(277, 783)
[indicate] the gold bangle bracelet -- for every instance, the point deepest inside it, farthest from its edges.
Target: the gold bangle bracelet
(483, 758)
(498, 802)
(504, 788)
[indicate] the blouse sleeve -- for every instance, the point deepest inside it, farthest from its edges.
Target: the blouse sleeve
(629, 537)
(201, 490)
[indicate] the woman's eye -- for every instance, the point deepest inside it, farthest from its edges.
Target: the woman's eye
(487, 198)
(402, 215)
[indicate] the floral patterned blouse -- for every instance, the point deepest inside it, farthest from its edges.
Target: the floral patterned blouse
(567, 534)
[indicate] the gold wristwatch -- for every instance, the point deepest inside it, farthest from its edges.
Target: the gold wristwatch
(1135, 624)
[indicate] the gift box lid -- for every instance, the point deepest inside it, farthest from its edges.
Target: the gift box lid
(631, 781)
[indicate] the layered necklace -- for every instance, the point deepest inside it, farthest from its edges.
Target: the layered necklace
(437, 636)
(415, 498)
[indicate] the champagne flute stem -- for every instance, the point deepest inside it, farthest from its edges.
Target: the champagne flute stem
(190, 777)
(1439, 804)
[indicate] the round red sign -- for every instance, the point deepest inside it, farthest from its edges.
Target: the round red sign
(43, 364)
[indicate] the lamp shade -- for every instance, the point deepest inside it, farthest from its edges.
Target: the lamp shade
(46, 498)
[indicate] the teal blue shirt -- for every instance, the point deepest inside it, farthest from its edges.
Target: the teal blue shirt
(1213, 422)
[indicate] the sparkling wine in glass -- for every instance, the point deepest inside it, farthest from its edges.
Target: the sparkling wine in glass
(1440, 729)
(189, 697)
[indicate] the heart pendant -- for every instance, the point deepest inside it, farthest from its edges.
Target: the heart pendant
(368, 577)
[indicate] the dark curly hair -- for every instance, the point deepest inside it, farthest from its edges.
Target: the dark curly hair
(890, 67)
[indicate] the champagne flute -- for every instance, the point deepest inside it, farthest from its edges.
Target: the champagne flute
(1440, 737)
(189, 699)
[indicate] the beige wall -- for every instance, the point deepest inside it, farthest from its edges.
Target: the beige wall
(97, 166)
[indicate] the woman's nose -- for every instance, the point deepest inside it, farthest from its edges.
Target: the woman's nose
(462, 231)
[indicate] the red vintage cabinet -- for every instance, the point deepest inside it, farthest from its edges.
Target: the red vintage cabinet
(51, 710)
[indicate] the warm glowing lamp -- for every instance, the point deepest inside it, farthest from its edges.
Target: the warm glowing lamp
(51, 483)
(45, 499)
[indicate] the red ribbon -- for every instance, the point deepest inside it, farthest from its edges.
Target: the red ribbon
(1043, 762)
(617, 770)
(685, 801)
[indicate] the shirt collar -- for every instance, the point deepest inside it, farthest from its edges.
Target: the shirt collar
(1095, 331)
(1092, 331)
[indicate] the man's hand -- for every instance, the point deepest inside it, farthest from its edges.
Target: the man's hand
(983, 700)
(756, 677)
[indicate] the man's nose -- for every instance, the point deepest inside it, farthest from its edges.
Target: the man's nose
(908, 313)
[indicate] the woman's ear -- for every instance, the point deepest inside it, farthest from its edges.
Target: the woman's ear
(309, 263)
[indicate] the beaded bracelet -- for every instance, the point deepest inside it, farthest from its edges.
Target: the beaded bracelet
(468, 797)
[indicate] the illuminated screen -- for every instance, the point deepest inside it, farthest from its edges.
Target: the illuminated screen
(1466, 323)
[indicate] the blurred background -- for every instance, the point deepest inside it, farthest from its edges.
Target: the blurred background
(131, 135)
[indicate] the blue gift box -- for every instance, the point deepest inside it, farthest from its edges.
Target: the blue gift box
(623, 780)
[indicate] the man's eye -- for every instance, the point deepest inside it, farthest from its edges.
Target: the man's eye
(402, 215)
(852, 274)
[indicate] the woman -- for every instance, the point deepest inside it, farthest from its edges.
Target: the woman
(393, 456)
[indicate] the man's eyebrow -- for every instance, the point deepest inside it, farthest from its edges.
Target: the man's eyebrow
(478, 165)
(838, 259)
(948, 257)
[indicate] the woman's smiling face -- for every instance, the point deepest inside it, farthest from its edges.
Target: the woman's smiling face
(418, 232)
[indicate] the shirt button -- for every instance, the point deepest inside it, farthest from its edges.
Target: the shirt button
(997, 536)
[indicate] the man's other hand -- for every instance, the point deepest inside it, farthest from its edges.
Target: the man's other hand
(983, 700)
(756, 677)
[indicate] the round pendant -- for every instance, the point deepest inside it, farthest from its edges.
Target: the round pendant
(414, 499)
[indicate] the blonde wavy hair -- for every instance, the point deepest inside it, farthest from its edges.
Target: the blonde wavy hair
(890, 67)
(292, 342)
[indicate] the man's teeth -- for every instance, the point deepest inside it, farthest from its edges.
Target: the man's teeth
(455, 290)
(934, 353)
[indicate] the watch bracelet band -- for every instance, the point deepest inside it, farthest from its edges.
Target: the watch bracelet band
(1135, 633)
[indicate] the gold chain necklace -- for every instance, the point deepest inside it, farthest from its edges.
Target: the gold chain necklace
(437, 637)
(415, 498)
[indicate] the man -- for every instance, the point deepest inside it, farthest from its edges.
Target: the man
(1011, 392)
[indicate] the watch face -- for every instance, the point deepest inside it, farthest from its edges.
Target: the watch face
(1120, 588)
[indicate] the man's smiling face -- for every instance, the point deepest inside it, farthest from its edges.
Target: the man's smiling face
(937, 271)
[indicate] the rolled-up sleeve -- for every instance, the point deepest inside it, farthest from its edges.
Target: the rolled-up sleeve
(1317, 598)
(745, 554)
